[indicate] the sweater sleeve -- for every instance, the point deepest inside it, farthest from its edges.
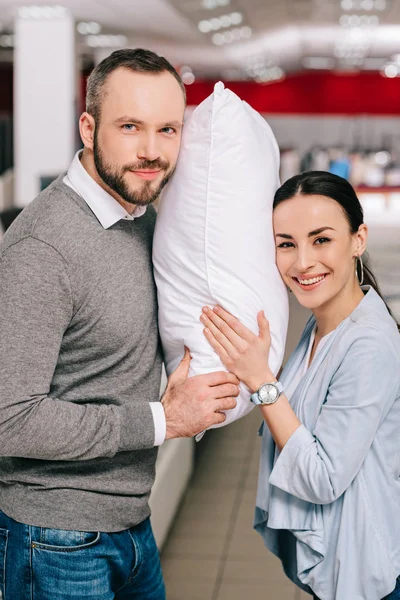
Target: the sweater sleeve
(35, 310)
(319, 466)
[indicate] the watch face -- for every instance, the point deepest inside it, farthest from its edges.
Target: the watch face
(268, 393)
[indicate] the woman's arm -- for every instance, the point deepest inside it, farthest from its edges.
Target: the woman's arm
(319, 466)
(246, 355)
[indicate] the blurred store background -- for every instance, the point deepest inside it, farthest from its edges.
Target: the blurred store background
(326, 76)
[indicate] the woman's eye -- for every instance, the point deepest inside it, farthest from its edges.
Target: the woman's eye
(286, 245)
(320, 241)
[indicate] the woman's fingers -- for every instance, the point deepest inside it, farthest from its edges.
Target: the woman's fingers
(224, 327)
(263, 325)
(216, 345)
(241, 330)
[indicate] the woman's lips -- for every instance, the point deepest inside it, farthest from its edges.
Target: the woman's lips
(312, 282)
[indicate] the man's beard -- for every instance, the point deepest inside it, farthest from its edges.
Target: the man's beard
(113, 177)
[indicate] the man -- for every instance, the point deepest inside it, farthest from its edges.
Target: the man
(80, 363)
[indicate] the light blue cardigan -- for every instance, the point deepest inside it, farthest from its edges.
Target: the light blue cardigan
(328, 505)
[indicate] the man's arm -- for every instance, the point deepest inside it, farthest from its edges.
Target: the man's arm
(35, 310)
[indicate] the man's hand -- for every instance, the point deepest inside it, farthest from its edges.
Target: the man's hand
(193, 404)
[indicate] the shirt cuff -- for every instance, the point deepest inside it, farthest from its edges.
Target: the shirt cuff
(160, 424)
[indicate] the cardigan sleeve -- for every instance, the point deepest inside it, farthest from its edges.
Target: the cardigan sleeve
(319, 466)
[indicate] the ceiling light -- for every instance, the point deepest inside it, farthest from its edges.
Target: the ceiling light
(216, 23)
(391, 71)
(225, 21)
(204, 26)
(42, 12)
(382, 158)
(270, 74)
(367, 4)
(232, 35)
(236, 18)
(218, 39)
(211, 4)
(91, 27)
(188, 78)
(228, 37)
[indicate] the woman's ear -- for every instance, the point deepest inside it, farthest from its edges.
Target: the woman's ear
(360, 240)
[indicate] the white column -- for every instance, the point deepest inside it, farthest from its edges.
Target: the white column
(45, 97)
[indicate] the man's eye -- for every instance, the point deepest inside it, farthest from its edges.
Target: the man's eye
(322, 240)
(169, 130)
(128, 127)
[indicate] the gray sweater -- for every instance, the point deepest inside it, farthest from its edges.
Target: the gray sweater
(80, 362)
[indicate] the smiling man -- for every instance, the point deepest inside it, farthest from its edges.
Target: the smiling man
(80, 417)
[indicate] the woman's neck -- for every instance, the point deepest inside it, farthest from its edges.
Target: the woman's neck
(331, 314)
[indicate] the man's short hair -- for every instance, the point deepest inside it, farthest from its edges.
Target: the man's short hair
(137, 60)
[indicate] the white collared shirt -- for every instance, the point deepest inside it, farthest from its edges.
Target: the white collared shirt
(108, 211)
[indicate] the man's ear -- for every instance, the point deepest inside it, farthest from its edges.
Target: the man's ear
(87, 127)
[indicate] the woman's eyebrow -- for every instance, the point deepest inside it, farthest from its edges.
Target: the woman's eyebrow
(319, 230)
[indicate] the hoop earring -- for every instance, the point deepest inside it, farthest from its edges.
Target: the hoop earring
(360, 279)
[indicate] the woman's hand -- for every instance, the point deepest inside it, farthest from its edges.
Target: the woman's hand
(241, 351)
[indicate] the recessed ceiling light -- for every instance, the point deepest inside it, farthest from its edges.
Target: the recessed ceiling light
(236, 18)
(91, 27)
(391, 71)
(204, 26)
(188, 78)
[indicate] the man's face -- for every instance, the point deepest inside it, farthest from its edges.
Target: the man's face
(136, 143)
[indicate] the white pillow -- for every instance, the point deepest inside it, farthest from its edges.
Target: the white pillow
(213, 241)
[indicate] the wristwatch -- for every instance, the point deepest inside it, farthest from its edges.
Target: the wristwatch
(267, 393)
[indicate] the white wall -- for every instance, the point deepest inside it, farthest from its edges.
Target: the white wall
(44, 105)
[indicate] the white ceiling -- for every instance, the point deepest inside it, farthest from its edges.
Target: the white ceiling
(284, 31)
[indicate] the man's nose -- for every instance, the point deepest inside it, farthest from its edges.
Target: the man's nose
(148, 148)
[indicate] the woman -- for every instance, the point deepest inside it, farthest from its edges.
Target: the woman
(328, 501)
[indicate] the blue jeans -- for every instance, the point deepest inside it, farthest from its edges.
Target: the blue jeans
(395, 595)
(37, 563)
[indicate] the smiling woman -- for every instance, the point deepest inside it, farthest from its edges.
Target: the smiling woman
(329, 460)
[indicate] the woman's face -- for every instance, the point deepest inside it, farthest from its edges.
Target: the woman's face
(315, 249)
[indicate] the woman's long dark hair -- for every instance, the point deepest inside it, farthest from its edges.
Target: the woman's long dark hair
(322, 183)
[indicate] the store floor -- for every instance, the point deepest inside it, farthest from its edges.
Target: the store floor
(212, 552)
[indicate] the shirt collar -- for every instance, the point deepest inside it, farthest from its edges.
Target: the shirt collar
(107, 210)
